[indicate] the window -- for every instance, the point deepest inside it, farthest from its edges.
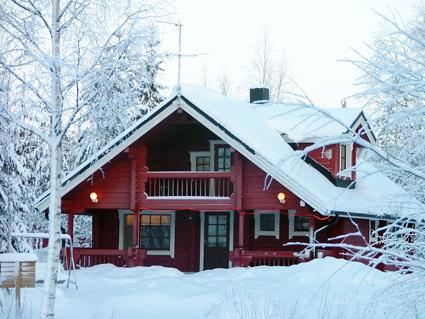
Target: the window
(345, 159)
(223, 158)
(298, 225)
(267, 223)
(200, 161)
(373, 234)
(203, 163)
(157, 233)
(301, 223)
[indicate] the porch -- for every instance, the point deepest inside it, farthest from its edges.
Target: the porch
(184, 239)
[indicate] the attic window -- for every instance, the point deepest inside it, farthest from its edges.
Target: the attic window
(345, 159)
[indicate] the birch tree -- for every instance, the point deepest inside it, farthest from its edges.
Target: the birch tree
(268, 67)
(392, 82)
(53, 48)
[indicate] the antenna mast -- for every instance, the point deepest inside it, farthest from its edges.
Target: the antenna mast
(179, 54)
(180, 58)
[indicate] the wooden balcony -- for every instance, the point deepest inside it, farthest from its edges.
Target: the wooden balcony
(193, 190)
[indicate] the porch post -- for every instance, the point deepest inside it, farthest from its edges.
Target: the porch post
(136, 225)
(71, 225)
(241, 229)
(236, 255)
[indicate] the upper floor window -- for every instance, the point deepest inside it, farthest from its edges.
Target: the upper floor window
(223, 158)
(200, 161)
(345, 159)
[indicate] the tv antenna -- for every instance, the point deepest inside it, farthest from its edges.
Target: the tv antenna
(179, 54)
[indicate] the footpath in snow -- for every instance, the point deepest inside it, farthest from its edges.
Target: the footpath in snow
(323, 288)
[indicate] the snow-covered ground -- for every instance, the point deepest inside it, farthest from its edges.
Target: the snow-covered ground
(323, 288)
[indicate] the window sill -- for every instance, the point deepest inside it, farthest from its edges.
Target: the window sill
(266, 234)
(298, 234)
(160, 253)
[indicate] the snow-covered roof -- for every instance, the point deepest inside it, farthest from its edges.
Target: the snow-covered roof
(255, 131)
(306, 124)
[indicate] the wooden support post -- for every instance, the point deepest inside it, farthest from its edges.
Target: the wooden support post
(241, 229)
(71, 225)
(136, 226)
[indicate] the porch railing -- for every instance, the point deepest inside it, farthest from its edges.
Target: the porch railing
(88, 257)
(189, 184)
(247, 258)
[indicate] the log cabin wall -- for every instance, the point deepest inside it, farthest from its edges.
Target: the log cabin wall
(112, 185)
(187, 241)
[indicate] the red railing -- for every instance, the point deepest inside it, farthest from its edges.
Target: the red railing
(247, 258)
(87, 257)
(189, 184)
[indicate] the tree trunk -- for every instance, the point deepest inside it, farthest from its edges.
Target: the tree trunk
(49, 293)
(53, 256)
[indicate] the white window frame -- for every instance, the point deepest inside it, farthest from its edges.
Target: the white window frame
(213, 143)
(291, 226)
(348, 158)
(122, 213)
(195, 155)
(257, 229)
(373, 238)
(169, 252)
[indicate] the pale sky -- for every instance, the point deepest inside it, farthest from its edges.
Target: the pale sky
(315, 34)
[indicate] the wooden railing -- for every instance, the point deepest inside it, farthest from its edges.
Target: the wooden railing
(87, 257)
(247, 258)
(188, 184)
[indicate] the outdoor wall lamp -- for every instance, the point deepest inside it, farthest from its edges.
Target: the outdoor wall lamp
(93, 197)
(281, 198)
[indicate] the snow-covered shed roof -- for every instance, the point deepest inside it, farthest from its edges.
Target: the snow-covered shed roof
(256, 133)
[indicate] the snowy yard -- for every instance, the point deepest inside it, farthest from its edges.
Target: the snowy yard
(323, 288)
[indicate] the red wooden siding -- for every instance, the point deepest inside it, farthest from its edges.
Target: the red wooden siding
(255, 197)
(112, 186)
(186, 251)
(105, 229)
(332, 164)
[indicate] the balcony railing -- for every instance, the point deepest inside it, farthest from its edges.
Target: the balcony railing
(188, 184)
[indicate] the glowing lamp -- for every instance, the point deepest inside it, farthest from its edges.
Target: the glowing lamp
(281, 198)
(93, 197)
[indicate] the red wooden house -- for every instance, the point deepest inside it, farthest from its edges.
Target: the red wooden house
(203, 181)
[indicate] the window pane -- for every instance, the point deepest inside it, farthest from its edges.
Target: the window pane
(301, 223)
(165, 219)
(165, 231)
(222, 230)
(221, 151)
(221, 241)
(212, 241)
(222, 219)
(155, 220)
(212, 230)
(165, 243)
(221, 163)
(145, 220)
(212, 219)
(129, 220)
(267, 222)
